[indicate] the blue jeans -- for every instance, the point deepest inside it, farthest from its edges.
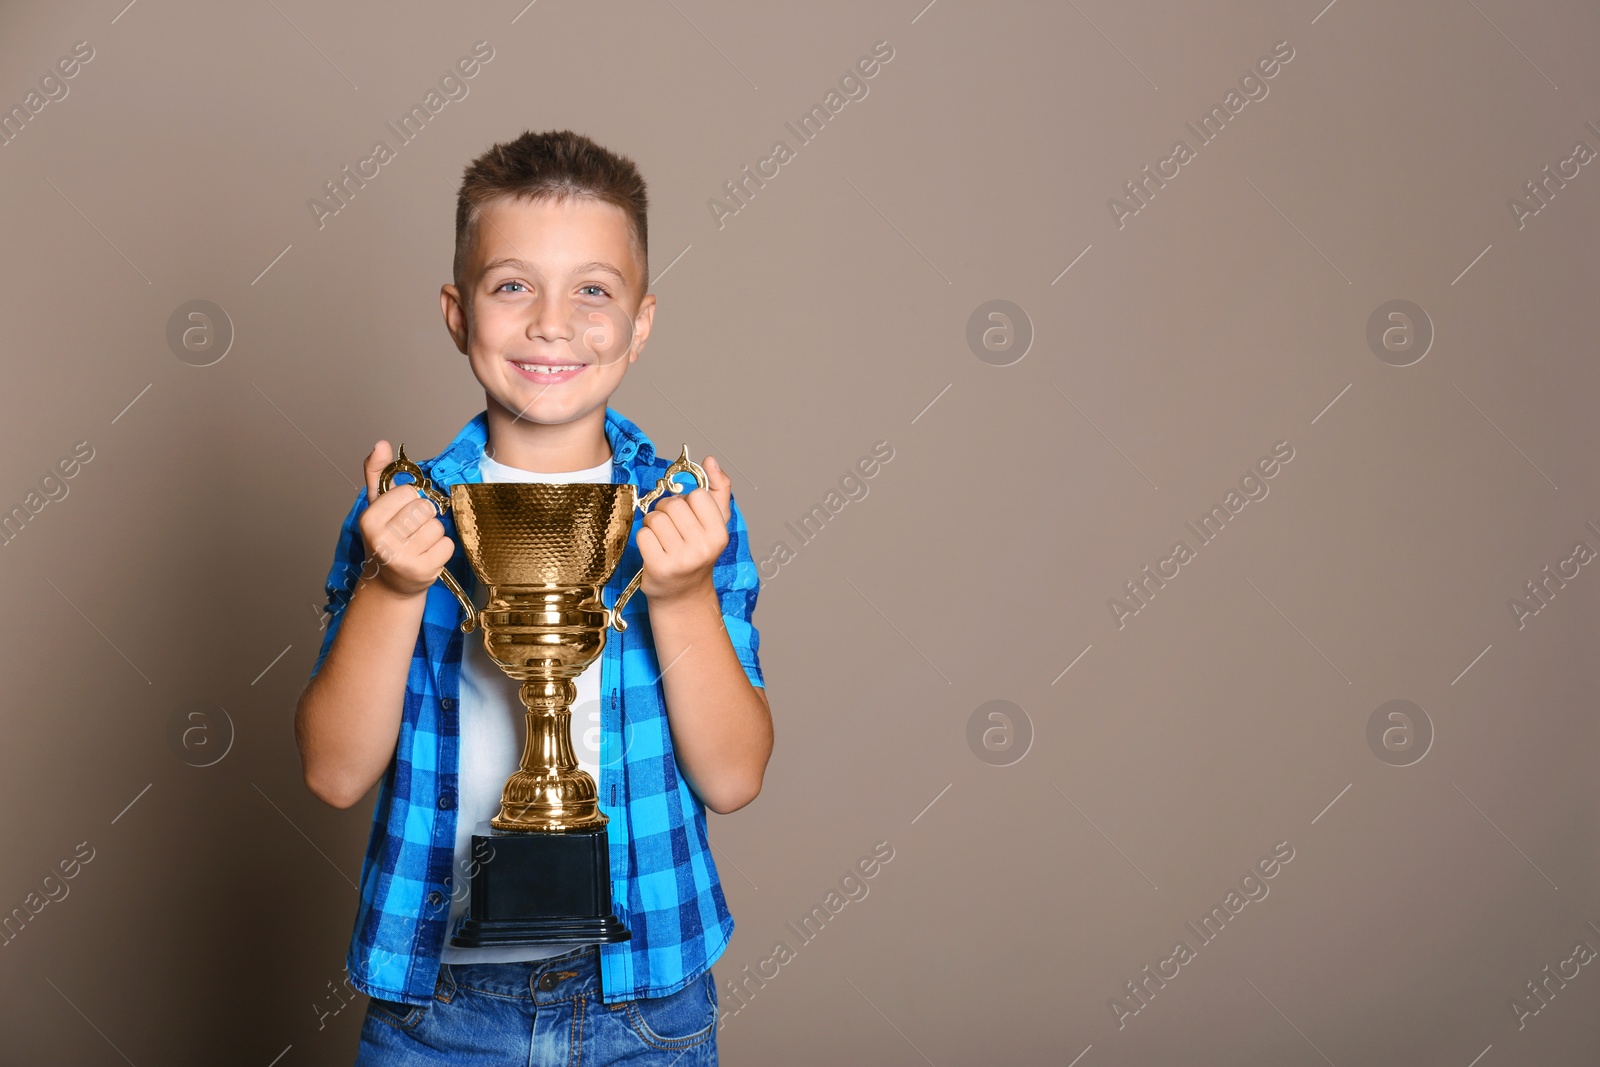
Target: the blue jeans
(541, 1012)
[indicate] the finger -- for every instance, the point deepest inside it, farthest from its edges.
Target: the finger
(710, 510)
(661, 524)
(649, 548)
(420, 530)
(721, 488)
(686, 516)
(400, 512)
(377, 459)
(425, 552)
(439, 553)
(380, 457)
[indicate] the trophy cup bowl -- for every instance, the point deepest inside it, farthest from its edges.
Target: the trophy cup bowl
(544, 551)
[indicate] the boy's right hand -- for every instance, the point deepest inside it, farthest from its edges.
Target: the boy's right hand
(402, 532)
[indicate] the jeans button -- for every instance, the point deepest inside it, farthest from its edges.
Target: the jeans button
(547, 982)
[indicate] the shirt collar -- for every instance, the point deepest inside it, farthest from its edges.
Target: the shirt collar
(459, 460)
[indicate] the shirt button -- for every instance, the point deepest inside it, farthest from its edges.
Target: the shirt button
(446, 703)
(435, 897)
(447, 802)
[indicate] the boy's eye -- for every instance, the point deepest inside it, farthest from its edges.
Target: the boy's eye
(590, 290)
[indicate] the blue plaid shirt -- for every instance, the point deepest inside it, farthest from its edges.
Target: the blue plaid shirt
(664, 882)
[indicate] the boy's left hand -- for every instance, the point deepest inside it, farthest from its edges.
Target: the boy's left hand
(683, 535)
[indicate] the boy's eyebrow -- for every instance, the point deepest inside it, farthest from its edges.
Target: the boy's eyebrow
(581, 268)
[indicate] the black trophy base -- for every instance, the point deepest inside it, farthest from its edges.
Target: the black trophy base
(540, 889)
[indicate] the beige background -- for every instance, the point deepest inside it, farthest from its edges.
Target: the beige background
(186, 563)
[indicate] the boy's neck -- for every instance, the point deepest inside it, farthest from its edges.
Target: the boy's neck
(548, 449)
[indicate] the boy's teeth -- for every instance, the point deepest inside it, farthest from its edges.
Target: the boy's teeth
(539, 368)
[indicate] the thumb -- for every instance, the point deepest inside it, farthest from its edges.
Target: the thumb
(377, 459)
(721, 486)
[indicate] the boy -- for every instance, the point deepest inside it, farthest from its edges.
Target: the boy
(549, 307)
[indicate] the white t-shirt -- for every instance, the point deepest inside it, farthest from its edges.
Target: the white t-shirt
(493, 725)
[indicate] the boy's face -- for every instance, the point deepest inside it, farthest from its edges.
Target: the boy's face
(550, 285)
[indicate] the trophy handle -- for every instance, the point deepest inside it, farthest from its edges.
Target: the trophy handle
(665, 484)
(440, 501)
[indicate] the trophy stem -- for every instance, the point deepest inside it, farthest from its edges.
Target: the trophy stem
(549, 791)
(545, 551)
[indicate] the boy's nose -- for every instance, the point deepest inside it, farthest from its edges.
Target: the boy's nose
(550, 320)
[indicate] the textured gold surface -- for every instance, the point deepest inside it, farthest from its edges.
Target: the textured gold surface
(545, 551)
(542, 533)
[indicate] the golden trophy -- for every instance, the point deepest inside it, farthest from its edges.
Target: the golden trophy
(544, 551)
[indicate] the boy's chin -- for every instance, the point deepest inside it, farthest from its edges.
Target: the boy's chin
(549, 410)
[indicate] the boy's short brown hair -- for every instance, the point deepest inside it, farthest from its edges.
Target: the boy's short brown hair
(553, 165)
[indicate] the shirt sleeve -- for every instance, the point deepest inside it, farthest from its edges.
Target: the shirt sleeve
(737, 584)
(348, 557)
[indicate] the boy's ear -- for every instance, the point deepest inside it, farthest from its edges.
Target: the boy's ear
(455, 315)
(643, 319)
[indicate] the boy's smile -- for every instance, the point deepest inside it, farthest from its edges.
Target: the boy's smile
(550, 318)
